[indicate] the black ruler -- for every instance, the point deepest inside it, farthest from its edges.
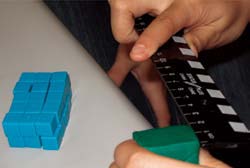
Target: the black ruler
(201, 104)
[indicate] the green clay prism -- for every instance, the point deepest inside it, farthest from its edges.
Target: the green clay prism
(178, 142)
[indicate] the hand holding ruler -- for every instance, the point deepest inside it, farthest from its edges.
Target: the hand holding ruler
(201, 104)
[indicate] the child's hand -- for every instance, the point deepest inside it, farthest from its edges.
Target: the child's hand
(206, 23)
(148, 78)
(129, 155)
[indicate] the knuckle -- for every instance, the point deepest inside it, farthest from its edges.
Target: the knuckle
(169, 22)
(120, 149)
(120, 37)
(119, 4)
(134, 160)
(124, 36)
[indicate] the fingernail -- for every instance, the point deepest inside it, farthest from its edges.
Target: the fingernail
(138, 51)
(193, 48)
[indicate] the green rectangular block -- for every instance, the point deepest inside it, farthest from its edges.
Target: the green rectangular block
(178, 142)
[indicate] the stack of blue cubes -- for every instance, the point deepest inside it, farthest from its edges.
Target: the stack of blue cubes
(40, 110)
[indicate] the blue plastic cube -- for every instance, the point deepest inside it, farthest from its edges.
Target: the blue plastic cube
(27, 77)
(60, 77)
(42, 77)
(39, 112)
(27, 125)
(46, 125)
(22, 87)
(16, 141)
(55, 108)
(53, 97)
(17, 107)
(11, 124)
(32, 141)
(59, 87)
(21, 97)
(66, 112)
(37, 97)
(53, 142)
(34, 107)
(40, 87)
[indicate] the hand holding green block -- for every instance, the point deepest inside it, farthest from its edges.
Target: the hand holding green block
(178, 142)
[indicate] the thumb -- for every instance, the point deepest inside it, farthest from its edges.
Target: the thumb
(170, 21)
(128, 154)
(201, 38)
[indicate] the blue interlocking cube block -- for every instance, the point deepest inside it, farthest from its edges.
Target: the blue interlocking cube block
(17, 107)
(54, 97)
(46, 125)
(40, 87)
(55, 108)
(66, 112)
(66, 115)
(59, 87)
(21, 97)
(42, 77)
(60, 83)
(60, 77)
(53, 142)
(16, 141)
(11, 124)
(32, 141)
(34, 107)
(27, 77)
(22, 87)
(40, 110)
(65, 119)
(27, 124)
(37, 97)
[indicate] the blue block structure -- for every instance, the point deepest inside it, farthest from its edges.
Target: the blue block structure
(40, 110)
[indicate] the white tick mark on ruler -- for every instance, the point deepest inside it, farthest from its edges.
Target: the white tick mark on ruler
(195, 64)
(187, 51)
(225, 109)
(205, 78)
(239, 127)
(215, 93)
(178, 39)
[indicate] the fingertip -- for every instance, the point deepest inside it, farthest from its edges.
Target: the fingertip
(139, 53)
(125, 37)
(113, 165)
(124, 151)
(194, 49)
(192, 43)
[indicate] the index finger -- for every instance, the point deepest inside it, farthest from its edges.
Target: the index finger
(124, 12)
